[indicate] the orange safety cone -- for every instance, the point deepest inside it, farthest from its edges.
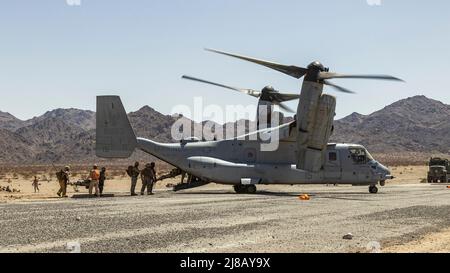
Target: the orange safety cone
(304, 197)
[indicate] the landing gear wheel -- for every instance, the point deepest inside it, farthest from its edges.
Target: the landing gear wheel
(373, 189)
(238, 188)
(251, 189)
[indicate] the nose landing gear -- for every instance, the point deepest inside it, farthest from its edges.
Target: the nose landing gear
(373, 189)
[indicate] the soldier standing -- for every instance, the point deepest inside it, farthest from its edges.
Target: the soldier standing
(94, 176)
(148, 178)
(134, 177)
(63, 179)
(101, 181)
(36, 184)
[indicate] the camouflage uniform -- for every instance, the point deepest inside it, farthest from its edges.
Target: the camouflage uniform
(134, 177)
(148, 178)
(63, 181)
(101, 181)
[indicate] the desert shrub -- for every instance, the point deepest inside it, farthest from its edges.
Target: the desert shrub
(27, 175)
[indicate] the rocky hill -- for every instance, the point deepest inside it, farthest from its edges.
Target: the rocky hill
(10, 122)
(14, 147)
(416, 124)
(74, 117)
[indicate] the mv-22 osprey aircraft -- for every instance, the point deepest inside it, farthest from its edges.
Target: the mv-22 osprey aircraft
(303, 154)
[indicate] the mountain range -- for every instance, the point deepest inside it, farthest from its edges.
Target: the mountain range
(416, 124)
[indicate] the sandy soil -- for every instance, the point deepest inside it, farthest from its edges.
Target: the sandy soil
(121, 184)
(409, 174)
(47, 189)
(215, 219)
(406, 216)
(438, 242)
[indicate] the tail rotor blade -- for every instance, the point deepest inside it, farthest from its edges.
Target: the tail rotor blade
(294, 71)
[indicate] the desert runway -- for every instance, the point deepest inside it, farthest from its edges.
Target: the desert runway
(214, 219)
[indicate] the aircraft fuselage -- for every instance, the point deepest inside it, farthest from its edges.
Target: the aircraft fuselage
(236, 161)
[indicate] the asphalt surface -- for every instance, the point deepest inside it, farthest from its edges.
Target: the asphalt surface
(215, 219)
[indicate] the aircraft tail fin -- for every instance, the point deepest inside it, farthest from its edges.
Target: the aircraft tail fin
(115, 137)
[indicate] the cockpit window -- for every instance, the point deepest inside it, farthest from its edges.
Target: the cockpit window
(360, 155)
(369, 156)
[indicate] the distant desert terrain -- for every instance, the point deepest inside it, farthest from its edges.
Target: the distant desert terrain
(20, 180)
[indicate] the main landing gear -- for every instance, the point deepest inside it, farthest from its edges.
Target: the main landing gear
(250, 189)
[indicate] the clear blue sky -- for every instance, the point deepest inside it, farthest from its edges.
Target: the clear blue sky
(55, 55)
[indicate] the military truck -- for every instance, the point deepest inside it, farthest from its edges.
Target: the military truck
(439, 170)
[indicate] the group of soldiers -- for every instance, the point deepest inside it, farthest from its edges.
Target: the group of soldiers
(97, 179)
(148, 177)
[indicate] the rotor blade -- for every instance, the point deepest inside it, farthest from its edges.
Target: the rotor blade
(294, 71)
(342, 89)
(330, 75)
(250, 92)
(286, 97)
(285, 108)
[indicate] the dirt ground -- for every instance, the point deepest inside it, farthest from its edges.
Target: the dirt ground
(437, 242)
(407, 215)
(119, 182)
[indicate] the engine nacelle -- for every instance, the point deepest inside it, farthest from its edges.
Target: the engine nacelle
(306, 117)
(318, 138)
(315, 116)
(266, 117)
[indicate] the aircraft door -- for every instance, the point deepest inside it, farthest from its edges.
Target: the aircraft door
(333, 166)
(364, 173)
(361, 171)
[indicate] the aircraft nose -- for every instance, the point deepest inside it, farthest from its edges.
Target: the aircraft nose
(385, 171)
(384, 168)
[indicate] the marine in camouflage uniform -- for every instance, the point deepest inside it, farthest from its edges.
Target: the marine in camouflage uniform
(63, 179)
(148, 178)
(134, 177)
